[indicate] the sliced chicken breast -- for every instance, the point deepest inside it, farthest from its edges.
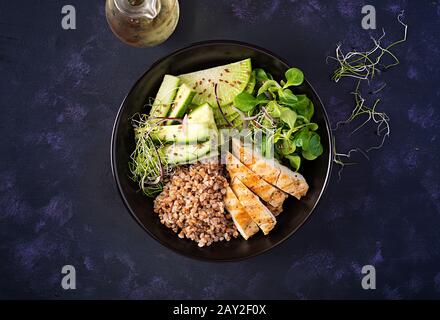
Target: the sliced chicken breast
(254, 207)
(244, 223)
(271, 170)
(291, 182)
(275, 210)
(270, 194)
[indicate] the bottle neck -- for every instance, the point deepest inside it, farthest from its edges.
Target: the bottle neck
(139, 8)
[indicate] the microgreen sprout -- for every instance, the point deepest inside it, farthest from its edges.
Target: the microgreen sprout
(147, 167)
(338, 158)
(379, 89)
(363, 66)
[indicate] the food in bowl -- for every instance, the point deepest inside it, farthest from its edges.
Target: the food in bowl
(192, 204)
(220, 150)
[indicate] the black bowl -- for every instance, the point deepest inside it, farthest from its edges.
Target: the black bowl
(192, 58)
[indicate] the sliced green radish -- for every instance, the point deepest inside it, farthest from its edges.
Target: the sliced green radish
(231, 79)
(251, 84)
(229, 114)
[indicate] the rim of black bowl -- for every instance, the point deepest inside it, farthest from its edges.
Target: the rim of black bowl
(116, 124)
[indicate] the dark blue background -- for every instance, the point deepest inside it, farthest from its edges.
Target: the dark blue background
(60, 91)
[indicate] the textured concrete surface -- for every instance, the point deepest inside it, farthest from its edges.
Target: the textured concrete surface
(60, 91)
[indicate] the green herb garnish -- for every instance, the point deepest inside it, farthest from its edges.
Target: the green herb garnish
(294, 77)
(283, 117)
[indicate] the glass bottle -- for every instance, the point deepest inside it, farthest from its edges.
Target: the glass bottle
(142, 23)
